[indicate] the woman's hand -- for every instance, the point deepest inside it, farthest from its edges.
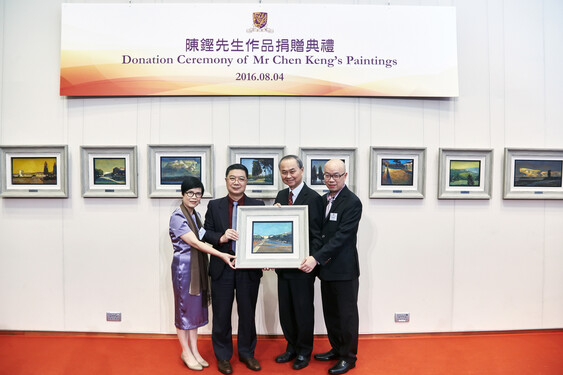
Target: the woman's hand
(229, 259)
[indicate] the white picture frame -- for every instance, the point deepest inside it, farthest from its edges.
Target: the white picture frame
(284, 236)
(316, 157)
(267, 184)
(409, 166)
(465, 173)
(164, 161)
(109, 171)
(34, 171)
(532, 173)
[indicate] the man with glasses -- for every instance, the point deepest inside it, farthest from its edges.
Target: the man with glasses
(220, 227)
(295, 287)
(339, 268)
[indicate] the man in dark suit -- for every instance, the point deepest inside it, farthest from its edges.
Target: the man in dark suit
(295, 287)
(221, 233)
(339, 268)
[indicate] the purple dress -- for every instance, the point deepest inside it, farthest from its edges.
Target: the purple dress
(189, 312)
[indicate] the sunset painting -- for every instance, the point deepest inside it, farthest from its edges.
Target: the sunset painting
(34, 171)
(540, 173)
(397, 172)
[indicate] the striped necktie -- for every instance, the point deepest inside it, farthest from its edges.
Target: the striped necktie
(329, 205)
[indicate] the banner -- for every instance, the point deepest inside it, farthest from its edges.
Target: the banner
(258, 49)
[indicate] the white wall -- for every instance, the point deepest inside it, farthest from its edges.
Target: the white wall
(454, 265)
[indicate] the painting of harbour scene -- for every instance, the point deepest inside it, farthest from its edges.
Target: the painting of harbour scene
(260, 170)
(109, 171)
(173, 169)
(465, 173)
(272, 237)
(34, 171)
(537, 173)
(397, 172)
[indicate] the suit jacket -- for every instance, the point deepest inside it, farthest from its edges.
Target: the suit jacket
(216, 223)
(310, 198)
(338, 257)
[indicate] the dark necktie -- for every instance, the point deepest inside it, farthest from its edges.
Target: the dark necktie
(290, 200)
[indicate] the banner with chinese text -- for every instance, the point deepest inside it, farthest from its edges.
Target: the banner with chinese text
(258, 49)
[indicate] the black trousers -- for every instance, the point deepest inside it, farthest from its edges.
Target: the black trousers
(242, 285)
(297, 313)
(340, 310)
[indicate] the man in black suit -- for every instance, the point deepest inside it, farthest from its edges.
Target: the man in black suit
(220, 232)
(339, 268)
(295, 287)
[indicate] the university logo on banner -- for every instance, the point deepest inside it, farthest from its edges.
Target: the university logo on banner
(260, 19)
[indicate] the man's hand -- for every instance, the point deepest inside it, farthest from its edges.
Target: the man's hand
(308, 264)
(229, 235)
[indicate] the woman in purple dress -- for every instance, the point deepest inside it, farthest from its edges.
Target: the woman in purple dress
(189, 272)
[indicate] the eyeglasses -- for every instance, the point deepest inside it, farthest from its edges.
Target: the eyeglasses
(233, 179)
(336, 176)
(191, 194)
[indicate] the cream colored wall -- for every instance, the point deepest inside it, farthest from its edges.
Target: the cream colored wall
(454, 265)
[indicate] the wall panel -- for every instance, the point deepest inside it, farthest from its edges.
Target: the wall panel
(454, 265)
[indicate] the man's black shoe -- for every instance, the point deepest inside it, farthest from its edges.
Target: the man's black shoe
(341, 367)
(285, 357)
(328, 356)
(224, 366)
(300, 362)
(251, 363)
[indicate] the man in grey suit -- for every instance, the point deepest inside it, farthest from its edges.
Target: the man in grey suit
(338, 268)
(295, 287)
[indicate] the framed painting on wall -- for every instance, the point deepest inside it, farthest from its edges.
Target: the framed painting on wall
(272, 237)
(109, 171)
(170, 164)
(533, 173)
(314, 160)
(397, 172)
(465, 173)
(34, 171)
(262, 163)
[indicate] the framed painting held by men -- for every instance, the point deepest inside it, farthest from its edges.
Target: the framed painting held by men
(272, 237)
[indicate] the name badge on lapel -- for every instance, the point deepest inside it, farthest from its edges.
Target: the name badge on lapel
(333, 216)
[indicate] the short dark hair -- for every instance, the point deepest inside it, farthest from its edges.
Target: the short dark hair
(190, 183)
(236, 166)
(295, 157)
